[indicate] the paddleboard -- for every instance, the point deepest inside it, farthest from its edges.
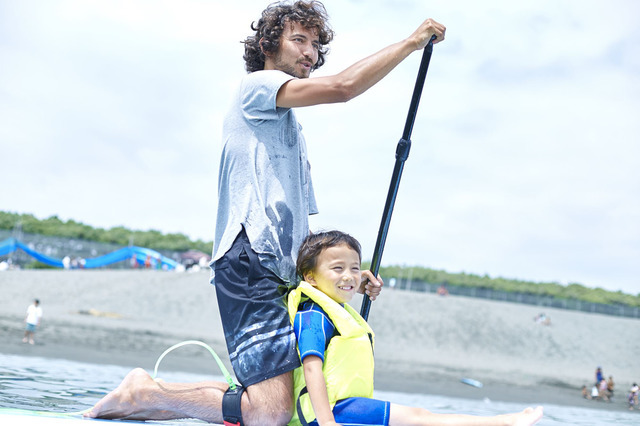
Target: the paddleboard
(471, 382)
(16, 417)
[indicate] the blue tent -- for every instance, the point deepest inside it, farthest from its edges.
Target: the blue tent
(139, 253)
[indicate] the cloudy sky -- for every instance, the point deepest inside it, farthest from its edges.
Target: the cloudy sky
(526, 150)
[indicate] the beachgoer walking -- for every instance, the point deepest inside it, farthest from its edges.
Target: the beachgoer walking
(265, 195)
(32, 321)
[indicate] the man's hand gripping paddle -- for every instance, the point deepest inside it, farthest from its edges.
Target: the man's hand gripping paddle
(402, 153)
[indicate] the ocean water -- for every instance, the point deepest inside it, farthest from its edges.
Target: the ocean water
(41, 384)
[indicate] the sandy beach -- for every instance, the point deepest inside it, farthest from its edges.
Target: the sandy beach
(424, 343)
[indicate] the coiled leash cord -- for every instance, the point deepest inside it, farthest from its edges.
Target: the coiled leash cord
(154, 376)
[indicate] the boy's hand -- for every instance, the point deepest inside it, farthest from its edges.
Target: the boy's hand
(372, 286)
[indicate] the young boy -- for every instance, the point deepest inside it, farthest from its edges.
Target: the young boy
(32, 321)
(335, 383)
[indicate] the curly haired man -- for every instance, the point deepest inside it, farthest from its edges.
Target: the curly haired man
(265, 195)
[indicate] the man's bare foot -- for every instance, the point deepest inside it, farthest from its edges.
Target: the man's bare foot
(132, 399)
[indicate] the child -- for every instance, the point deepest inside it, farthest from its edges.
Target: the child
(335, 383)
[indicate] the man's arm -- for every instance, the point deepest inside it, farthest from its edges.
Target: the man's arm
(360, 76)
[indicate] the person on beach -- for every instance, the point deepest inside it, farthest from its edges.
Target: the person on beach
(603, 392)
(265, 197)
(442, 290)
(334, 385)
(595, 393)
(585, 392)
(610, 386)
(632, 398)
(32, 321)
(599, 375)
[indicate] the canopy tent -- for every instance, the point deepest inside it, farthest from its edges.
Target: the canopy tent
(140, 254)
(11, 244)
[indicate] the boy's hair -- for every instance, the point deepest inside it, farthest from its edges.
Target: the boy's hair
(310, 14)
(314, 244)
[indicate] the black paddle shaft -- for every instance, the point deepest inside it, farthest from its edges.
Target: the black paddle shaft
(402, 153)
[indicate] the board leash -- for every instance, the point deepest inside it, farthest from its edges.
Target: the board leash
(227, 376)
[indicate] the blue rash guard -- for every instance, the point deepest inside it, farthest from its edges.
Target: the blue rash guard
(314, 330)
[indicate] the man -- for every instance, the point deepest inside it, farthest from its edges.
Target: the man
(265, 197)
(32, 320)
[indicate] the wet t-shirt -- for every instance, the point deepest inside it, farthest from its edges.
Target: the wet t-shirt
(264, 182)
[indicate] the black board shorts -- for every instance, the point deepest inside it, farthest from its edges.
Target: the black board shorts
(259, 335)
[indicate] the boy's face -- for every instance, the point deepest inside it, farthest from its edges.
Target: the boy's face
(337, 273)
(298, 51)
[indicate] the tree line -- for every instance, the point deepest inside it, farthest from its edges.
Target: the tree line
(53, 226)
(552, 289)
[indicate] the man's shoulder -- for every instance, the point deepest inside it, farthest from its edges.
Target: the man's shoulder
(258, 91)
(266, 78)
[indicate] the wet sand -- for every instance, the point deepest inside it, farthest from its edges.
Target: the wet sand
(424, 343)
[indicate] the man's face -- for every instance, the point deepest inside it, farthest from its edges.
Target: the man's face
(298, 51)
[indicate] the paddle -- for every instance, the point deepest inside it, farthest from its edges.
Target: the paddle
(402, 153)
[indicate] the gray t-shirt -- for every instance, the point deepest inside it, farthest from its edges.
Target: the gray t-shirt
(264, 183)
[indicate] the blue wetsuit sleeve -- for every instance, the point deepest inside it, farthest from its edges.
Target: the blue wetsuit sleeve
(313, 329)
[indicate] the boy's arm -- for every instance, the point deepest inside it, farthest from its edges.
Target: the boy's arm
(317, 388)
(360, 76)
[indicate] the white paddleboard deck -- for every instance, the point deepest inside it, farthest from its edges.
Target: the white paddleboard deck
(11, 417)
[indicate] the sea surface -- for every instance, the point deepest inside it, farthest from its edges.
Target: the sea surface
(41, 384)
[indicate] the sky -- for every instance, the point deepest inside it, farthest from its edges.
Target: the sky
(525, 158)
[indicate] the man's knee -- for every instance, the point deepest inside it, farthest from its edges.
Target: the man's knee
(257, 407)
(267, 411)
(269, 402)
(268, 415)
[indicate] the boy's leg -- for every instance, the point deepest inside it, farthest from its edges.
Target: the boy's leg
(403, 415)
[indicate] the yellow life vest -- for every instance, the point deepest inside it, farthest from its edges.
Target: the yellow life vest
(348, 360)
